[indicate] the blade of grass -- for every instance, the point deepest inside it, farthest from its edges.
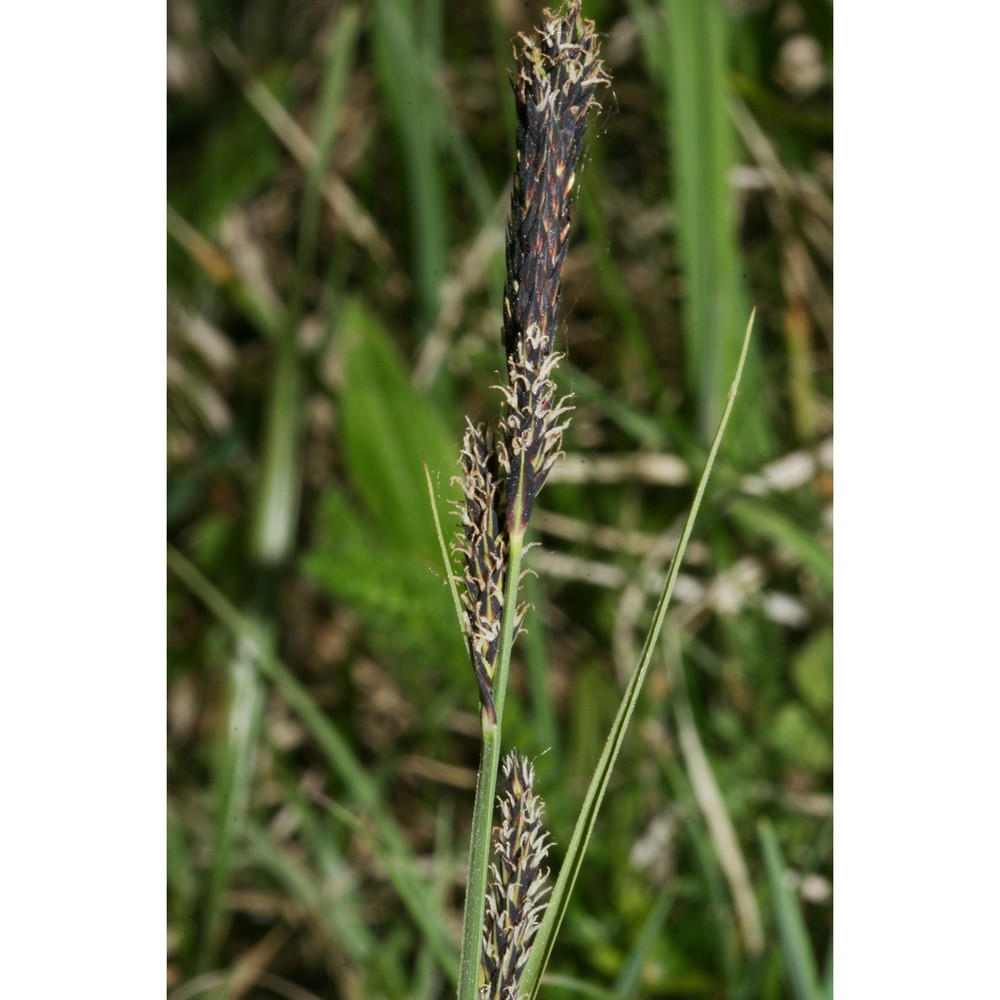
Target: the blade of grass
(314, 868)
(427, 983)
(338, 195)
(642, 366)
(703, 154)
(795, 948)
(182, 887)
(273, 521)
(641, 427)
(386, 426)
(274, 518)
(828, 975)
(581, 988)
(686, 47)
(220, 272)
(272, 532)
(573, 860)
(214, 980)
(276, 502)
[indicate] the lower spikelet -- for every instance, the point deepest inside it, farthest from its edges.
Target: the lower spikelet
(518, 890)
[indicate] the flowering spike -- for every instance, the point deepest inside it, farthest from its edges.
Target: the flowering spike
(518, 889)
(557, 77)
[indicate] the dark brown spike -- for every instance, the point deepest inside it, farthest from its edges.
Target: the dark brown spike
(558, 73)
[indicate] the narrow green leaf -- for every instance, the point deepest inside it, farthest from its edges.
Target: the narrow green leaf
(182, 886)
(828, 975)
(812, 671)
(423, 906)
(639, 426)
(544, 723)
(340, 916)
(573, 860)
(795, 948)
(276, 498)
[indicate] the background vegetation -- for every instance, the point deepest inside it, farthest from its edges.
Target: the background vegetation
(338, 187)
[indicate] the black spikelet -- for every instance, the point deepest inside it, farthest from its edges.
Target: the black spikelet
(557, 76)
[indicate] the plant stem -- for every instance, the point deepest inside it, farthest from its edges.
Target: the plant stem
(482, 811)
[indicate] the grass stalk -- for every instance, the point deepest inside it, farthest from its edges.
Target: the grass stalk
(602, 774)
(479, 860)
(482, 810)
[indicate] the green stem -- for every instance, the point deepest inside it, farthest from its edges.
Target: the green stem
(482, 811)
(479, 858)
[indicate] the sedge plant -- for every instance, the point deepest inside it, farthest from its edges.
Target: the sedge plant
(504, 468)
(511, 914)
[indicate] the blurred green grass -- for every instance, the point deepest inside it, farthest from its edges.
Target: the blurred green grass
(337, 179)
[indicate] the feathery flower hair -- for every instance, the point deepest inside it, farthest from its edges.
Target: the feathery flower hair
(518, 888)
